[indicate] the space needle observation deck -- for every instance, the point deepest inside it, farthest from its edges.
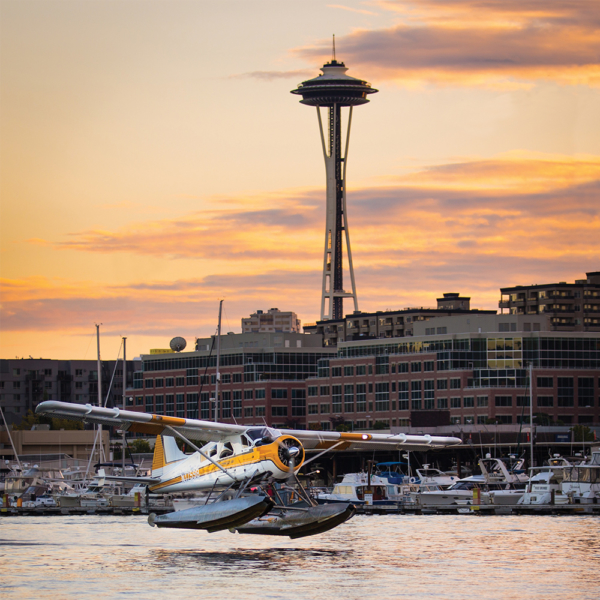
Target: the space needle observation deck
(333, 90)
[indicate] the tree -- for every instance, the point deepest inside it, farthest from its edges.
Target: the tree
(380, 425)
(31, 419)
(140, 447)
(582, 433)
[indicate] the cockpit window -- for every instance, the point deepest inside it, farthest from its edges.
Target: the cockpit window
(227, 450)
(258, 433)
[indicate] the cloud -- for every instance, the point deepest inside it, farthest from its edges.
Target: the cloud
(483, 43)
(361, 11)
(470, 227)
(275, 75)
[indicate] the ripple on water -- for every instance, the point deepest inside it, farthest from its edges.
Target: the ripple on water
(451, 557)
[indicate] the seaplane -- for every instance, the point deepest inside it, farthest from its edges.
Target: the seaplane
(249, 474)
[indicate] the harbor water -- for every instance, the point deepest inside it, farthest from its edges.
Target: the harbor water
(454, 557)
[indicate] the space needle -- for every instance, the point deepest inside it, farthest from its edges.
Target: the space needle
(333, 89)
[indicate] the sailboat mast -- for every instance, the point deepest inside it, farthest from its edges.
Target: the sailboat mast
(124, 397)
(218, 376)
(99, 367)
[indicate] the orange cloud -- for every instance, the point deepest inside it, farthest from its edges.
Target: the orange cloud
(471, 227)
(487, 43)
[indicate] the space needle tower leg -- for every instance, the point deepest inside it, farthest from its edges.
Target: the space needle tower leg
(334, 90)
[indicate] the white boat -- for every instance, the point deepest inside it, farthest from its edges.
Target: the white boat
(581, 483)
(428, 477)
(544, 486)
(362, 488)
(496, 485)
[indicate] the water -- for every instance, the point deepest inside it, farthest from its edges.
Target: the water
(409, 557)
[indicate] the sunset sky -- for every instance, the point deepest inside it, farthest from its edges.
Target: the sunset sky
(153, 160)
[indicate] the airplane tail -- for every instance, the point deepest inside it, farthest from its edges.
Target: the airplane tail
(166, 453)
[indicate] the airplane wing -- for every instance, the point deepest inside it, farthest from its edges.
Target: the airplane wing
(139, 422)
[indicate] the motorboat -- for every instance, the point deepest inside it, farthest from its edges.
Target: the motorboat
(428, 477)
(497, 484)
(360, 489)
(544, 486)
(581, 483)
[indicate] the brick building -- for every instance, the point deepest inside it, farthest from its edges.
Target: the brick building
(475, 376)
(262, 379)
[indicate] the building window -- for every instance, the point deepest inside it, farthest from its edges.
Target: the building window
(442, 384)
(313, 409)
(468, 402)
(149, 383)
(248, 412)
(159, 382)
(169, 382)
(159, 403)
(259, 395)
(278, 394)
(324, 391)
(415, 367)
(428, 365)
(455, 402)
(259, 411)
(545, 382)
(237, 378)
(170, 405)
(455, 420)
(585, 391)
(180, 381)
(455, 383)
(149, 403)
(545, 401)
(504, 419)
(248, 394)
(225, 377)
(336, 398)
(361, 397)
(503, 400)
(566, 395)
(336, 371)
(361, 369)
(325, 409)
(279, 411)
(482, 401)
(522, 400)
(348, 398)
(442, 403)
(313, 390)
(403, 367)
(348, 371)
(382, 396)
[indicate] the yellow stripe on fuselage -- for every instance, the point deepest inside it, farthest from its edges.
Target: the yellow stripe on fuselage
(269, 452)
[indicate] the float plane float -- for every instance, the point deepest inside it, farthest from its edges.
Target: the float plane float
(248, 472)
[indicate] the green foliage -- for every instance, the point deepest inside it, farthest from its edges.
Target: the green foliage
(380, 425)
(315, 426)
(582, 433)
(31, 419)
(140, 447)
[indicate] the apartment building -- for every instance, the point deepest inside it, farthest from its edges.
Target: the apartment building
(26, 382)
(273, 320)
(392, 323)
(569, 306)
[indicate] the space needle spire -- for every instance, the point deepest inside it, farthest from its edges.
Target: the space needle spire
(334, 90)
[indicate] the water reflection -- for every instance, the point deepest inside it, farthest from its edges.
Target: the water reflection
(269, 559)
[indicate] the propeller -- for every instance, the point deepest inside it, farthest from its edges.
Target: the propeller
(288, 453)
